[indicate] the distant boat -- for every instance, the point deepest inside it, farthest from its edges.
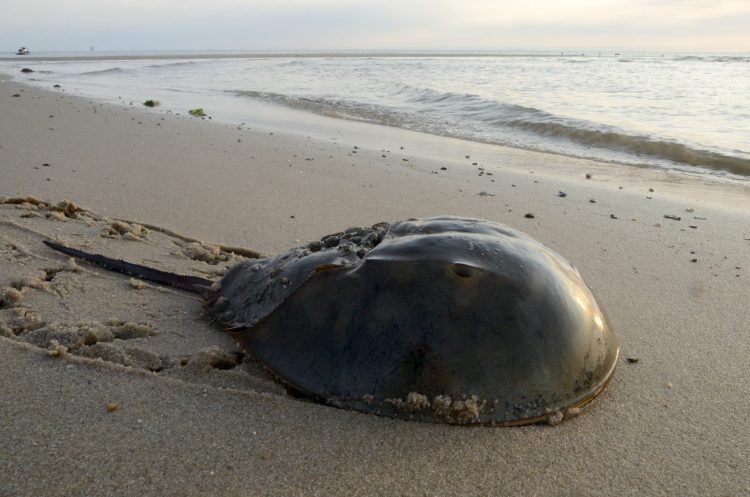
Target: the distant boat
(22, 51)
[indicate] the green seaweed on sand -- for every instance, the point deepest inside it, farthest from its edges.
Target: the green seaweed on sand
(197, 112)
(151, 103)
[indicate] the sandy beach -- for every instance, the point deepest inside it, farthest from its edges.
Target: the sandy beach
(112, 386)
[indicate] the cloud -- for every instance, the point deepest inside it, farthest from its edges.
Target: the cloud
(387, 24)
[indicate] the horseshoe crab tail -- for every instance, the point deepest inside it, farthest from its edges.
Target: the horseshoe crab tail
(193, 284)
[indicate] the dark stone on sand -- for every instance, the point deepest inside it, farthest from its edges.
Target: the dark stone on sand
(694, 260)
(592, 201)
(56, 86)
(443, 168)
(632, 360)
(46, 164)
(16, 94)
(26, 69)
(529, 215)
(562, 194)
(588, 176)
(612, 216)
(673, 217)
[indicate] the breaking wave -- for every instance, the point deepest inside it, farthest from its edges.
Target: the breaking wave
(170, 65)
(476, 118)
(99, 72)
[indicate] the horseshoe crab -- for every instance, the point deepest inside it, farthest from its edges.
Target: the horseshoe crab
(443, 319)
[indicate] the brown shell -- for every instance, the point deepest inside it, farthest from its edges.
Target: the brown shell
(443, 319)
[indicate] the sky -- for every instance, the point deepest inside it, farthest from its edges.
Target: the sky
(133, 25)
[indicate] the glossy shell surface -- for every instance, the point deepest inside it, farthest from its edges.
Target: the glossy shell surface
(443, 319)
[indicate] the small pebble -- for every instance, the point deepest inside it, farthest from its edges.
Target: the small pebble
(111, 407)
(592, 201)
(562, 194)
(588, 175)
(529, 215)
(612, 216)
(633, 360)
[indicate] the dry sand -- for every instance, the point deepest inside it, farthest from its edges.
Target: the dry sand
(115, 387)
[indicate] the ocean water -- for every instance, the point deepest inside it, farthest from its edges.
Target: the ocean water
(675, 111)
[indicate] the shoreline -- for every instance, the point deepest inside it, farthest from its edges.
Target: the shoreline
(239, 90)
(672, 422)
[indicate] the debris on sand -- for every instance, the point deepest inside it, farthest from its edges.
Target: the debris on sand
(56, 349)
(673, 217)
(529, 215)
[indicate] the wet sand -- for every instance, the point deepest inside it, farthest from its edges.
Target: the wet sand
(113, 386)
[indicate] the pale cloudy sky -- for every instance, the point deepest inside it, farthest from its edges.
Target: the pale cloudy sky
(668, 25)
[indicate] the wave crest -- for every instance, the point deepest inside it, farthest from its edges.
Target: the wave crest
(473, 117)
